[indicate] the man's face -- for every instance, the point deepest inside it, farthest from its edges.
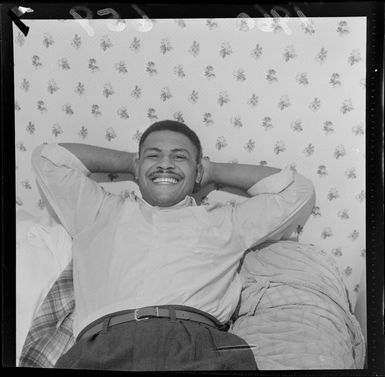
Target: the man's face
(167, 168)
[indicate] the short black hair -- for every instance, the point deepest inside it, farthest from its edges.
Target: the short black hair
(172, 125)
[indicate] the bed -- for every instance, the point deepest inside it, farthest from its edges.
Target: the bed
(294, 311)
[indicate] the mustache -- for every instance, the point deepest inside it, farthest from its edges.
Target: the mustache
(162, 173)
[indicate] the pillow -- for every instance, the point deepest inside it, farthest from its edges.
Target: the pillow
(294, 311)
(43, 250)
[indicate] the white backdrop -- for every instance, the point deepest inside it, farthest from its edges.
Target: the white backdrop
(252, 96)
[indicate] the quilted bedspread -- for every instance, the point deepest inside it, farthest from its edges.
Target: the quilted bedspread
(294, 310)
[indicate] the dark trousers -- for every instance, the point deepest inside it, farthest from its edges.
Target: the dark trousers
(160, 344)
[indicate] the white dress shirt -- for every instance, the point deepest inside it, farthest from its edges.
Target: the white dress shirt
(128, 254)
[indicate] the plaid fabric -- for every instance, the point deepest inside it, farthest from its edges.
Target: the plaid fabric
(50, 335)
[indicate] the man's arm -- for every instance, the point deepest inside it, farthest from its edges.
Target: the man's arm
(62, 174)
(280, 200)
(240, 176)
(280, 204)
(102, 160)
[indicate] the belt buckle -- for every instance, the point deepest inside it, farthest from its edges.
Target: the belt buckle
(141, 317)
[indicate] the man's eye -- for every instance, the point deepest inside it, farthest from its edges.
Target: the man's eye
(152, 155)
(180, 157)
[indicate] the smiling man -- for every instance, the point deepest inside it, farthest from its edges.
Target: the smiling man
(169, 165)
(155, 277)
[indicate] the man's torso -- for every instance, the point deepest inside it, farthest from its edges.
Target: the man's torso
(135, 255)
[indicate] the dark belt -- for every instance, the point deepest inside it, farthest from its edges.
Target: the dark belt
(147, 313)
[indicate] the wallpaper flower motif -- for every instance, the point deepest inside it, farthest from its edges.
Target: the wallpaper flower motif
(253, 96)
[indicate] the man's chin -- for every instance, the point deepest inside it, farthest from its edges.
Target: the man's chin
(165, 200)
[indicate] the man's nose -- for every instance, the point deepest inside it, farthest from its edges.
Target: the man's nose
(166, 163)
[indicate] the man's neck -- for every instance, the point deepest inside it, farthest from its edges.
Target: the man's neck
(188, 201)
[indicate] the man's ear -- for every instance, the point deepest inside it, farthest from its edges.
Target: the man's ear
(136, 166)
(199, 172)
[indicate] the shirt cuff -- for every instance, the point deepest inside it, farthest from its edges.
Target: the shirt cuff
(273, 184)
(63, 157)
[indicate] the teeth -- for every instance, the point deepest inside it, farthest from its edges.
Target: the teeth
(163, 180)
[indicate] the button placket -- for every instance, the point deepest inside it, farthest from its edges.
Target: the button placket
(149, 248)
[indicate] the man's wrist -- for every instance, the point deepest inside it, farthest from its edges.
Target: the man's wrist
(214, 178)
(130, 158)
(211, 178)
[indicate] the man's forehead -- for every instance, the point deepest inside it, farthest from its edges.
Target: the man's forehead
(166, 149)
(168, 140)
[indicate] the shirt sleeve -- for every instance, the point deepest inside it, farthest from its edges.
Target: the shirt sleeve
(63, 178)
(279, 203)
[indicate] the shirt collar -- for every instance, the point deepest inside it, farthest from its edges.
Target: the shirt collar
(188, 201)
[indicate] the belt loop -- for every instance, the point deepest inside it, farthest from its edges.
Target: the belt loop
(172, 314)
(106, 323)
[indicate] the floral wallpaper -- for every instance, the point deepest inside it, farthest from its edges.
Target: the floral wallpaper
(280, 96)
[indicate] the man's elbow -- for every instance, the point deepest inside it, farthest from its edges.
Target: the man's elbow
(306, 194)
(310, 192)
(303, 205)
(313, 196)
(36, 155)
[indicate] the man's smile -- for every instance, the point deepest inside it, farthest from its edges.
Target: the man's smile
(165, 181)
(165, 178)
